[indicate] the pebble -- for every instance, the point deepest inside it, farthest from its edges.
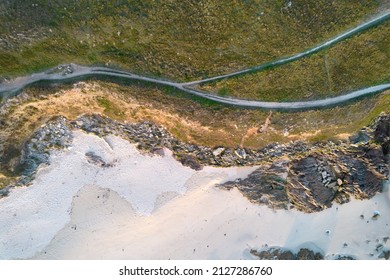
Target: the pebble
(218, 151)
(376, 215)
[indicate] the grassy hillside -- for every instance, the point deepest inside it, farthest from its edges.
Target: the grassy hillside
(181, 40)
(358, 62)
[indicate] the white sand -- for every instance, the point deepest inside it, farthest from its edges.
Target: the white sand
(154, 208)
(31, 216)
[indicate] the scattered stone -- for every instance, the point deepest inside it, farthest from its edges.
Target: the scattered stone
(190, 161)
(97, 160)
(4, 192)
(375, 215)
(344, 257)
(276, 253)
(241, 153)
(384, 255)
(379, 247)
(218, 151)
(158, 151)
(306, 254)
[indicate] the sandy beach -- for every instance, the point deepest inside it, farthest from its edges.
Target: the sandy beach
(139, 206)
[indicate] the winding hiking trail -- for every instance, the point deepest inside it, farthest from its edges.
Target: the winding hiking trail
(73, 72)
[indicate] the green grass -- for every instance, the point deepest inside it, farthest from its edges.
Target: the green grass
(181, 40)
(188, 40)
(177, 94)
(104, 102)
(110, 108)
(223, 91)
(358, 62)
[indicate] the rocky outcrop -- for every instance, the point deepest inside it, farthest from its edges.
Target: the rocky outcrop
(344, 258)
(382, 133)
(276, 253)
(94, 159)
(266, 185)
(385, 255)
(314, 181)
(322, 175)
(152, 138)
(55, 134)
(308, 177)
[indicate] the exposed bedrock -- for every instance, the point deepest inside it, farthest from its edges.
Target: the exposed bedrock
(277, 253)
(314, 180)
(308, 177)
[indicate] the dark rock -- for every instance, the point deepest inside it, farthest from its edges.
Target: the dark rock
(277, 253)
(274, 254)
(384, 255)
(306, 187)
(342, 197)
(306, 254)
(55, 134)
(379, 247)
(376, 158)
(94, 159)
(158, 151)
(4, 192)
(361, 176)
(376, 215)
(313, 182)
(241, 153)
(382, 133)
(190, 161)
(266, 185)
(360, 137)
(344, 257)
